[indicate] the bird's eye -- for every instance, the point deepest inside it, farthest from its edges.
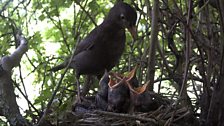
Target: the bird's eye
(122, 16)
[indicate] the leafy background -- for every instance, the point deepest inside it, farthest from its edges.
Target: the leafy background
(54, 27)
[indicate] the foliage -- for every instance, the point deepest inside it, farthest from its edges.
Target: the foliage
(2, 122)
(54, 27)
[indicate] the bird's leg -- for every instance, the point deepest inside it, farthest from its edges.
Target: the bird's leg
(78, 88)
(87, 85)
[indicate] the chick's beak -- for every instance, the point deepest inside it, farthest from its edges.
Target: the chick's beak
(133, 31)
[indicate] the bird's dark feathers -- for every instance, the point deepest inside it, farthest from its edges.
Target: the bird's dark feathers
(88, 42)
(102, 48)
(126, 9)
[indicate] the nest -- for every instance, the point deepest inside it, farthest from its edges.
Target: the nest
(121, 102)
(85, 114)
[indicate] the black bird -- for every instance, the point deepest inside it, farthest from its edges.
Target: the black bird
(119, 92)
(142, 100)
(118, 95)
(104, 45)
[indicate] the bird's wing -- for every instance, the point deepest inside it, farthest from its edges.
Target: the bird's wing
(88, 42)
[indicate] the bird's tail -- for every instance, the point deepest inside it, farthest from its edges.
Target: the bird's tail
(59, 67)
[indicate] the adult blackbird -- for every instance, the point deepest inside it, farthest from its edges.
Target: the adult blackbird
(104, 45)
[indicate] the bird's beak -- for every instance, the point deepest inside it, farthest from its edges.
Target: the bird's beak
(133, 31)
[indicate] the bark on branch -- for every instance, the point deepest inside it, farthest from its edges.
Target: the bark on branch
(8, 104)
(153, 43)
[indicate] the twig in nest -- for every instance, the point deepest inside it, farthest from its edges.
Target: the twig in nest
(176, 112)
(184, 115)
(127, 116)
(156, 111)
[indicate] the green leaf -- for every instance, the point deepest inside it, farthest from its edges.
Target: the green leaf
(93, 5)
(41, 17)
(143, 21)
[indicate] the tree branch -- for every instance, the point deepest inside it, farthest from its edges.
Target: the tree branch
(8, 104)
(153, 41)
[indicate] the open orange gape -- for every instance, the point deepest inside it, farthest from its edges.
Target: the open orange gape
(118, 94)
(124, 94)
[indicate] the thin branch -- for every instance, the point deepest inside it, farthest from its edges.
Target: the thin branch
(183, 91)
(127, 116)
(42, 119)
(153, 43)
(4, 7)
(87, 13)
(59, 27)
(29, 102)
(23, 85)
